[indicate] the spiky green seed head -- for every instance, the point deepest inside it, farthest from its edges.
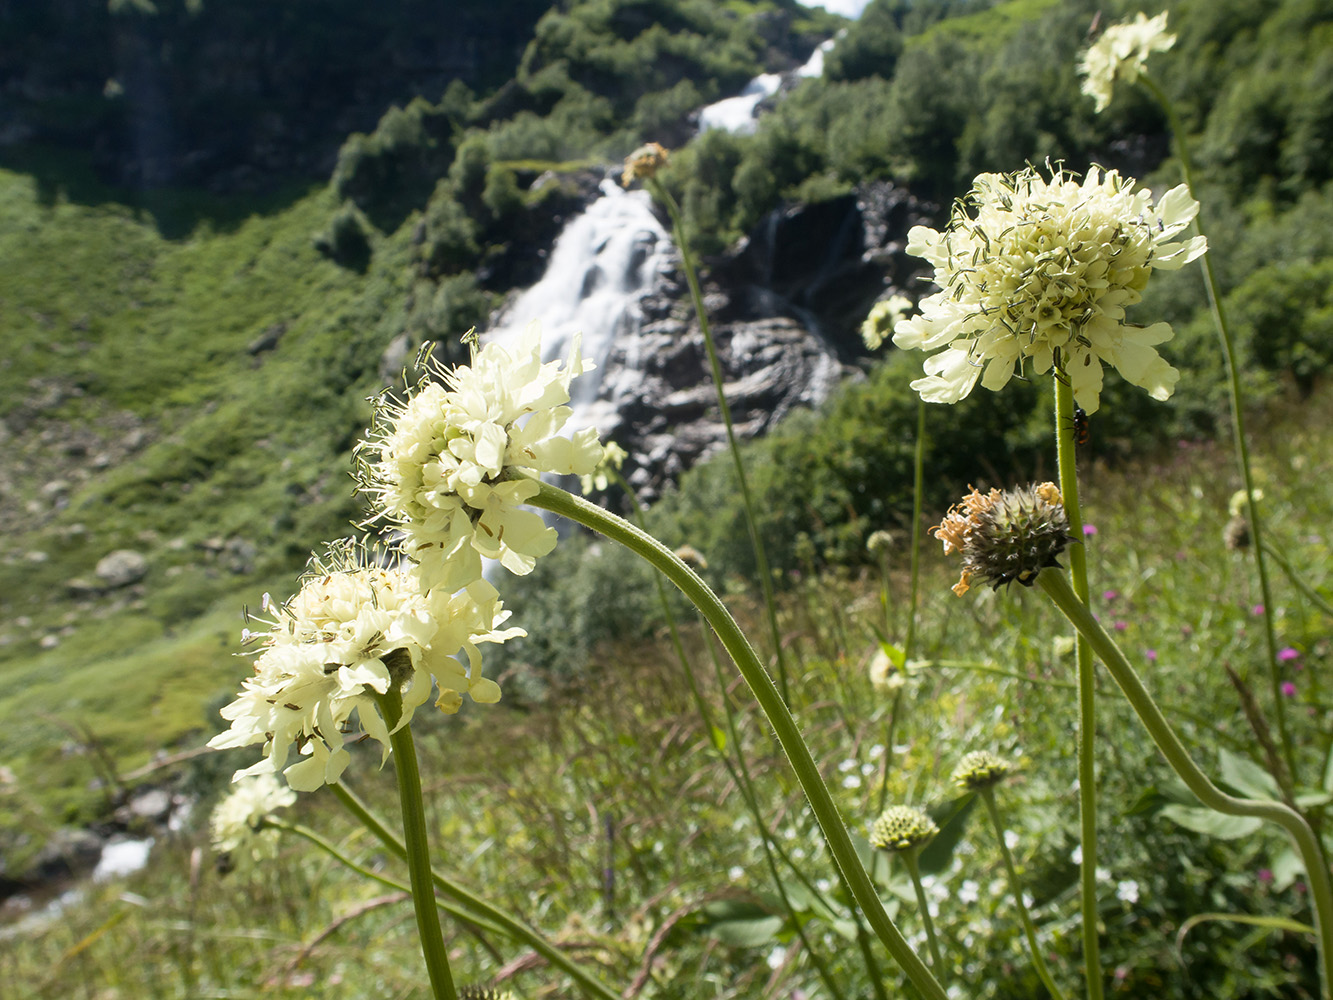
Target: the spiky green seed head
(980, 769)
(902, 828)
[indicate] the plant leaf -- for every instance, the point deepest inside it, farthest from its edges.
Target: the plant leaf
(1247, 777)
(951, 818)
(1212, 822)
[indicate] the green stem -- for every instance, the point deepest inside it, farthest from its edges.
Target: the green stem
(914, 870)
(455, 911)
(1087, 690)
(774, 708)
(757, 543)
(509, 925)
(1288, 780)
(418, 846)
(1016, 887)
(918, 488)
(1056, 586)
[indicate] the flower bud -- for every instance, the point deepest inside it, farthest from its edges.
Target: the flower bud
(980, 769)
(902, 828)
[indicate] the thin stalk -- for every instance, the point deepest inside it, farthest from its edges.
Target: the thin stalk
(455, 911)
(1057, 588)
(1087, 691)
(774, 708)
(888, 750)
(418, 847)
(914, 870)
(918, 488)
(508, 925)
(760, 557)
(1016, 887)
(1288, 780)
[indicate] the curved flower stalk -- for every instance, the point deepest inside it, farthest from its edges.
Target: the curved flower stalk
(242, 817)
(774, 708)
(1121, 53)
(436, 463)
(353, 633)
(1039, 277)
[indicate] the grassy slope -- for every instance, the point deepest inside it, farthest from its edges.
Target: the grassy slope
(117, 326)
(525, 827)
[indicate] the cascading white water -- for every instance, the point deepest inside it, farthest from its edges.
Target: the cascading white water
(601, 267)
(737, 114)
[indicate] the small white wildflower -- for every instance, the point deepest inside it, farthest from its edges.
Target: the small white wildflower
(735, 873)
(1127, 891)
(238, 818)
(1010, 839)
(1121, 53)
(1040, 277)
(969, 891)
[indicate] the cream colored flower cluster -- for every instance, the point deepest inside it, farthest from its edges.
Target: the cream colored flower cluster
(1120, 53)
(352, 632)
(1038, 277)
(238, 819)
(450, 466)
(452, 463)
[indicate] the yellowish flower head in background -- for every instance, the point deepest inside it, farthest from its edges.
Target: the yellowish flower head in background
(884, 315)
(352, 632)
(1121, 53)
(1037, 274)
(238, 819)
(452, 464)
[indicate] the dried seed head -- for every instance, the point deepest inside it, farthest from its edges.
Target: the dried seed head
(1006, 536)
(643, 163)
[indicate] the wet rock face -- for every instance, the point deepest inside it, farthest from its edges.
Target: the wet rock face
(832, 259)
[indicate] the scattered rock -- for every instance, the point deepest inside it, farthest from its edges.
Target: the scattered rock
(35, 557)
(81, 586)
(67, 852)
(55, 489)
(122, 567)
(267, 340)
(49, 641)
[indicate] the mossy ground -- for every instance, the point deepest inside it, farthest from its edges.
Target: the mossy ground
(139, 415)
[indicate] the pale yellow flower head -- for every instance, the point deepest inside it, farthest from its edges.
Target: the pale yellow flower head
(452, 464)
(885, 677)
(238, 818)
(1121, 53)
(351, 632)
(1036, 275)
(884, 315)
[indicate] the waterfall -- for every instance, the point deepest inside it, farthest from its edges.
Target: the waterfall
(603, 264)
(737, 114)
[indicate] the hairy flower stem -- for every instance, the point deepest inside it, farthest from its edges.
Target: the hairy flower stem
(774, 708)
(1286, 781)
(1056, 585)
(1087, 690)
(418, 847)
(757, 543)
(1029, 929)
(914, 871)
(479, 909)
(740, 774)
